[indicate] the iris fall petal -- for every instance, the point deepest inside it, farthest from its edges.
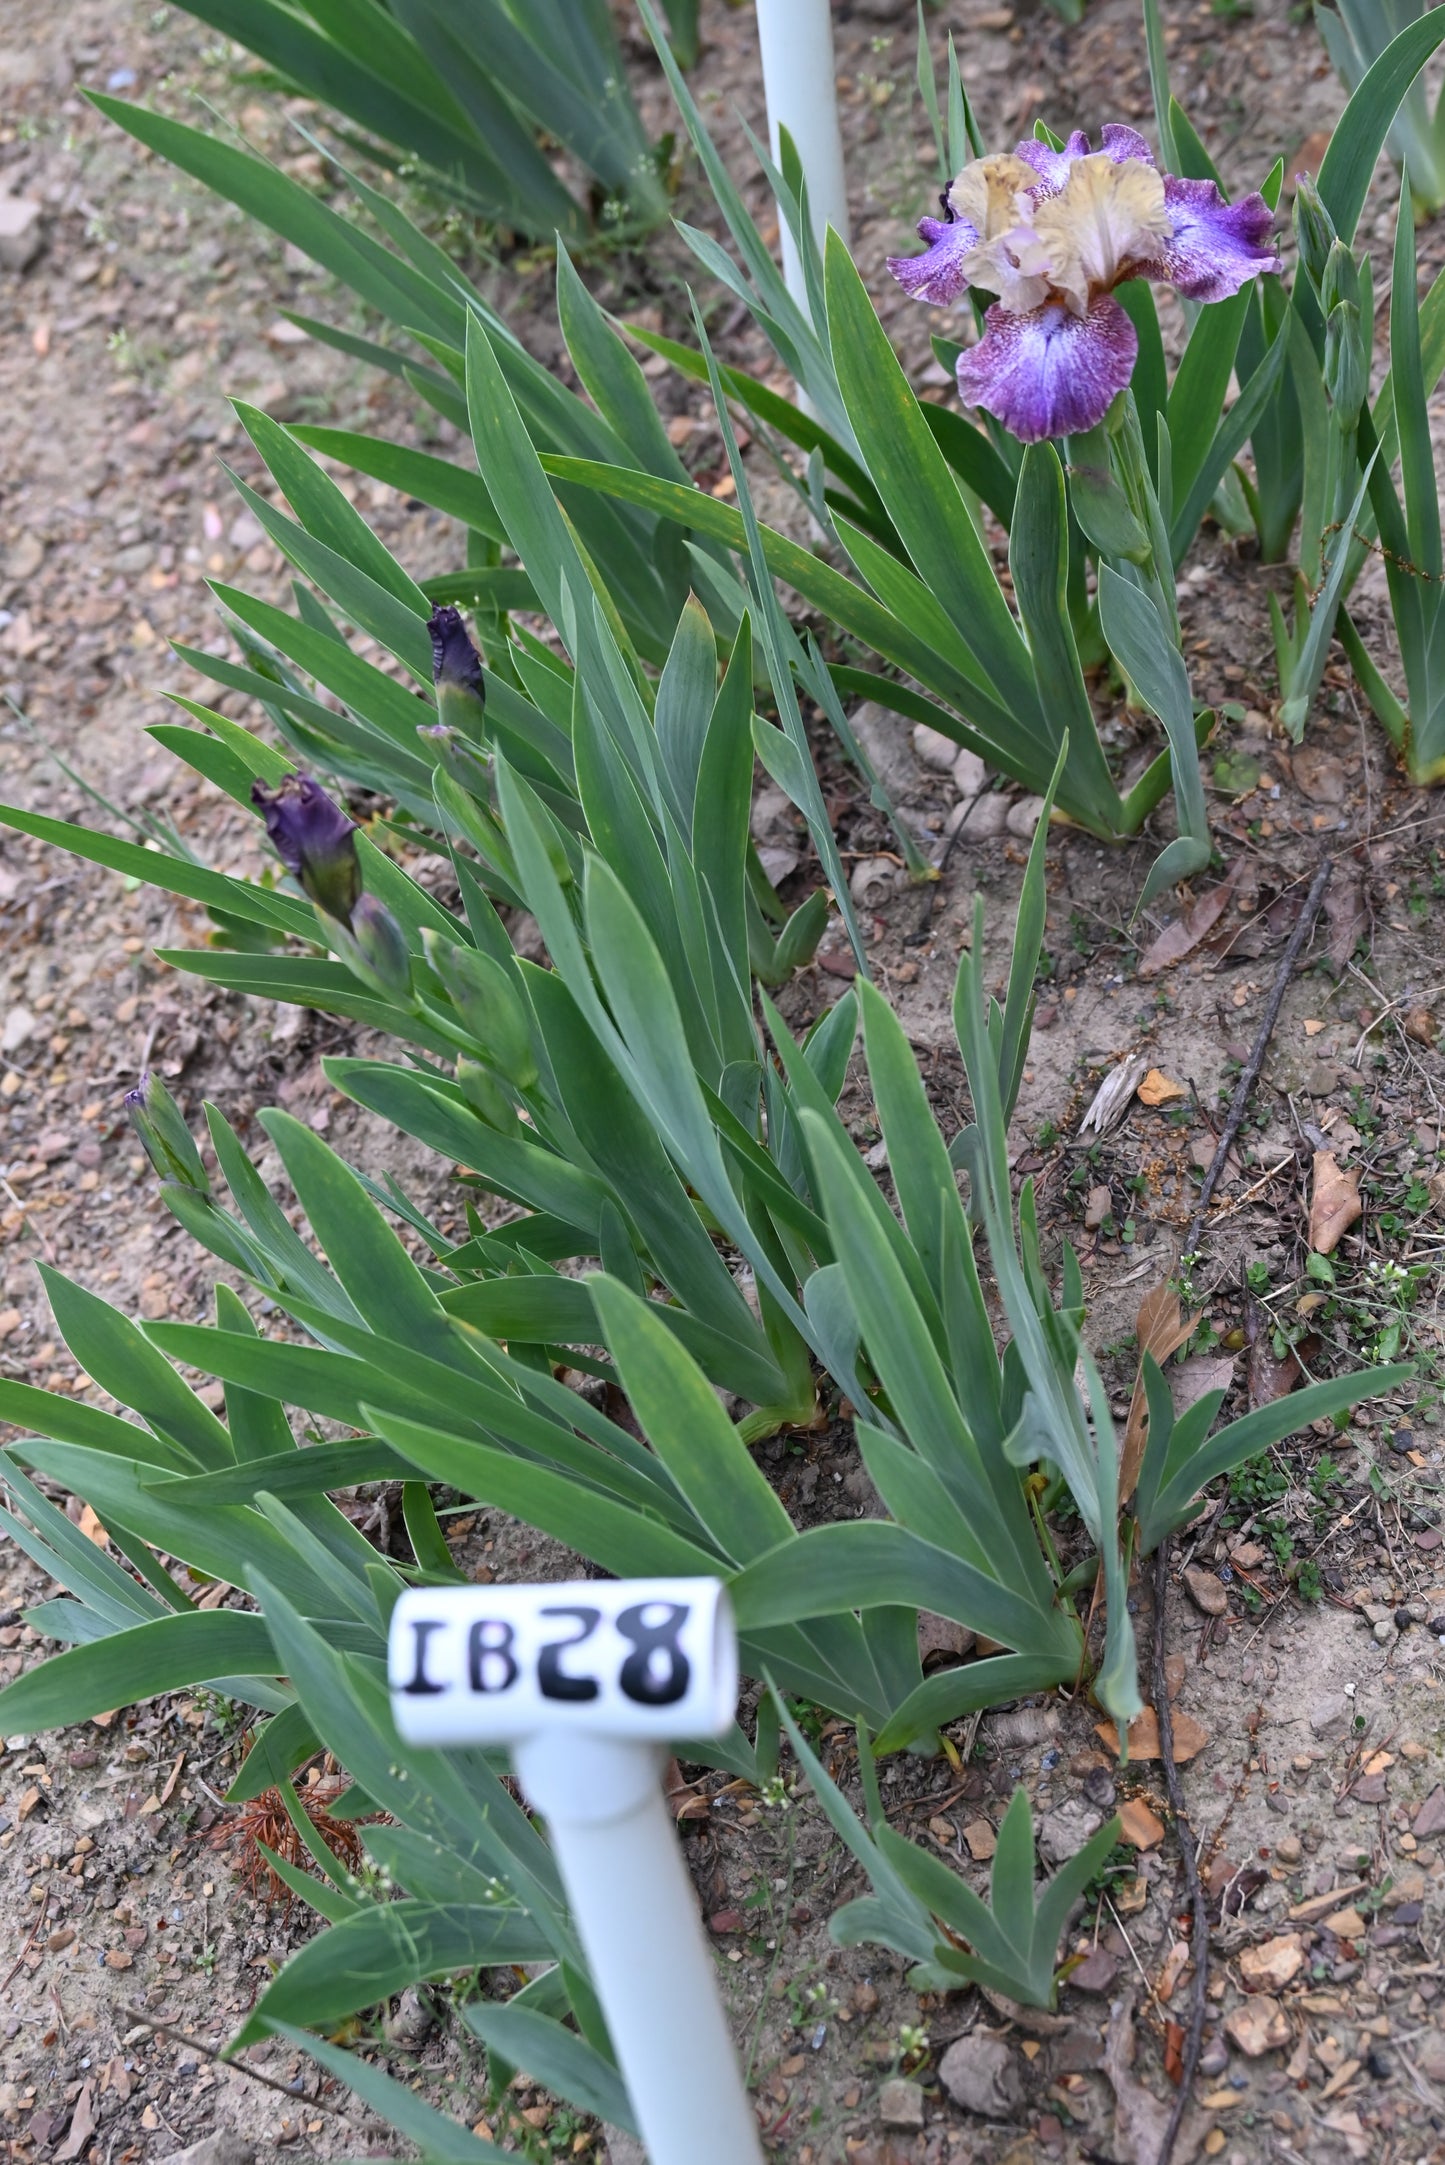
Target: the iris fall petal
(1215, 246)
(938, 274)
(1050, 372)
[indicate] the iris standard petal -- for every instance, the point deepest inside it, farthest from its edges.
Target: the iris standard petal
(993, 193)
(1108, 220)
(1050, 372)
(1052, 166)
(938, 274)
(1214, 246)
(1121, 143)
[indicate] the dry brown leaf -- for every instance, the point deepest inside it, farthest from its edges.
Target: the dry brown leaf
(1421, 1025)
(981, 1839)
(1141, 2118)
(1184, 935)
(1344, 914)
(1157, 1088)
(1137, 1824)
(82, 2126)
(1162, 1330)
(1189, 1737)
(91, 1527)
(1270, 1967)
(1114, 1095)
(1257, 2026)
(682, 1798)
(1175, 1963)
(1202, 1372)
(1268, 1378)
(1335, 1203)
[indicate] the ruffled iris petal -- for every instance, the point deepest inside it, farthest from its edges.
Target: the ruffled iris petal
(1050, 372)
(938, 274)
(1121, 143)
(1052, 166)
(1216, 245)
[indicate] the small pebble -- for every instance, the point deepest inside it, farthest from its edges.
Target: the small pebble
(900, 2104)
(934, 749)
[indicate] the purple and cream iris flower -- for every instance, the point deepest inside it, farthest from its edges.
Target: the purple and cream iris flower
(1051, 233)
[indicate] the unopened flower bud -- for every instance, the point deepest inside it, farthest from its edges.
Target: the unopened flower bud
(1341, 281)
(381, 945)
(1314, 230)
(485, 1095)
(1346, 374)
(456, 668)
(461, 760)
(490, 1006)
(168, 1142)
(315, 841)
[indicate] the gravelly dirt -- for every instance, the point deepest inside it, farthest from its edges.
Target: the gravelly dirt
(151, 304)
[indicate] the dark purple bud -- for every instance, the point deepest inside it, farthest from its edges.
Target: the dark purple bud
(315, 841)
(168, 1142)
(456, 669)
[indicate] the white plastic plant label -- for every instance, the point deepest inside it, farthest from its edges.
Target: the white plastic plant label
(646, 1658)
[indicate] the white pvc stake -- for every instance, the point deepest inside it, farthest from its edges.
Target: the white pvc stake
(795, 38)
(588, 1682)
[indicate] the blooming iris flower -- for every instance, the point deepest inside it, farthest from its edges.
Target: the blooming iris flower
(1051, 233)
(315, 841)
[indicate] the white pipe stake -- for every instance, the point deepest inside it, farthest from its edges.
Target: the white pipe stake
(637, 1917)
(795, 38)
(588, 1682)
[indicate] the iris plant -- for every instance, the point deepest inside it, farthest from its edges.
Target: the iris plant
(1051, 233)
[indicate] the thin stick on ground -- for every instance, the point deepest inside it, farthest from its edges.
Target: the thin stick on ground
(217, 2052)
(1188, 1848)
(31, 1937)
(1249, 1073)
(1188, 1857)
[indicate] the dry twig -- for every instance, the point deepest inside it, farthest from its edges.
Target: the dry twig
(1188, 1848)
(217, 2052)
(1188, 1857)
(1249, 1074)
(30, 1940)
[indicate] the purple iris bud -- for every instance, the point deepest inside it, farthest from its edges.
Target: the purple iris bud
(456, 669)
(167, 1141)
(315, 841)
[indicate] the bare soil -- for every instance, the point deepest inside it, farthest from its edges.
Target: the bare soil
(1318, 1687)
